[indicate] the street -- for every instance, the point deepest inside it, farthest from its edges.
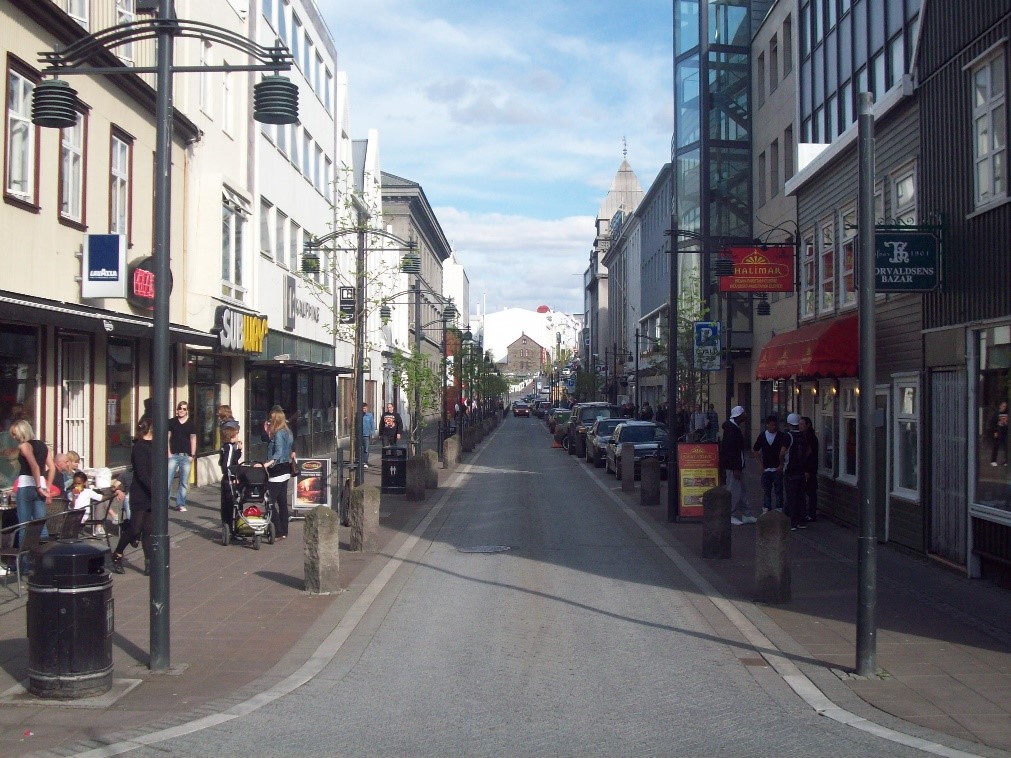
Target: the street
(581, 638)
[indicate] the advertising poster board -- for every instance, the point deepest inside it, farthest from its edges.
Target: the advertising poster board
(311, 484)
(698, 471)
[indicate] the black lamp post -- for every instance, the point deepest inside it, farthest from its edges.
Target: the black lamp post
(54, 105)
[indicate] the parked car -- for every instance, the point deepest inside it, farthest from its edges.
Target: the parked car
(597, 437)
(557, 416)
(521, 409)
(650, 440)
(583, 416)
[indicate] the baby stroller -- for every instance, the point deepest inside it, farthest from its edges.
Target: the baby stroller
(252, 506)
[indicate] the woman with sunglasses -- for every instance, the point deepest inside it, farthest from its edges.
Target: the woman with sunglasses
(182, 450)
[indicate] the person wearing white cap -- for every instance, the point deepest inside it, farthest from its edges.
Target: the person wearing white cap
(732, 448)
(793, 474)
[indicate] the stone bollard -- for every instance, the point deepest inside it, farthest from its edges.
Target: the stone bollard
(715, 523)
(649, 482)
(467, 440)
(627, 467)
(772, 558)
(451, 452)
(364, 517)
(416, 472)
(320, 547)
(431, 459)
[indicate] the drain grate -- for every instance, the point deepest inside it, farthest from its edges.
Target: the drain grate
(485, 549)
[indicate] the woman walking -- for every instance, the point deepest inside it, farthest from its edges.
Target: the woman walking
(140, 523)
(280, 457)
(36, 472)
(229, 455)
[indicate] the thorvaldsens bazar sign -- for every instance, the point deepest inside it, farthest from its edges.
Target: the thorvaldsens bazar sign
(906, 261)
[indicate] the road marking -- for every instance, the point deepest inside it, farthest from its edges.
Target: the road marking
(796, 679)
(321, 657)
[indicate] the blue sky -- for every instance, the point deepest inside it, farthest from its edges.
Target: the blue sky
(511, 116)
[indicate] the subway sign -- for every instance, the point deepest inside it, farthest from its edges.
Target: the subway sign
(239, 332)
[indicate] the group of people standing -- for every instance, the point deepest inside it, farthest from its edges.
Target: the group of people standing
(789, 463)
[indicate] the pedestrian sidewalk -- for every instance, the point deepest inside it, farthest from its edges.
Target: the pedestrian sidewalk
(239, 622)
(943, 641)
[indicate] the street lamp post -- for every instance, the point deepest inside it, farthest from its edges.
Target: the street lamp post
(54, 105)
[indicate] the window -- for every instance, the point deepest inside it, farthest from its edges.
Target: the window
(72, 169)
(296, 144)
(280, 235)
(826, 427)
(761, 180)
(307, 156)
(906, 467)
(78, 10)
(205, 77)
(807, 272)
(294, 229)
(787, 46)
(233, 232)
(774, 168)
(307, 57)
(849, 394)
(317, 77)
(317, 165)
(328, 188)
(990, 126)
(120, 380)
(328, 92)
(904, 201)
(296, 39)
(282, 21)
(268, 11)
(282, 138)
(125, 13)
(773, 64)
(788, 169)
(826, 268)
(22, 156)
(120, 181)
(227, 102)
(993, 360)
(848, 293)
(760, 80)
(266, 240)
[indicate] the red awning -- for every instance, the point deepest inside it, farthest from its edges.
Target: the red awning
(827, 348)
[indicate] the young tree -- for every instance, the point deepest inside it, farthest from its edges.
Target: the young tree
(414, 373)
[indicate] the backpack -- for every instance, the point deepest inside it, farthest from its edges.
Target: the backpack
(796, 455)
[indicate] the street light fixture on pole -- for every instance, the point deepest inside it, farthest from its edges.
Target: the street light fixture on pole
(55, 105)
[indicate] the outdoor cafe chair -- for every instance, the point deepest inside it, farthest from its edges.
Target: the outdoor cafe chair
(30, 540)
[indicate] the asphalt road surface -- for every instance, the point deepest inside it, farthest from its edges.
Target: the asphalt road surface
(582, 638)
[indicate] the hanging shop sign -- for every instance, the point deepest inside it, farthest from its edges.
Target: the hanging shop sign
(141, 284)
(103, 271)
(906, 261)
(347, 305)
(767, 268)
(706, 351)
(239, 332)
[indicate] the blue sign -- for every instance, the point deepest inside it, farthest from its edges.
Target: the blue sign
(104, 263)
(706, 355)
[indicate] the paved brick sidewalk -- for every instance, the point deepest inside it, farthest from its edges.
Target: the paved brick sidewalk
(239, 622)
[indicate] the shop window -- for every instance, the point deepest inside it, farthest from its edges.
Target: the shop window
(205, 376)
(849, 394)
(825, 402)
(73, 167)
(293, 248)
(19, 360)
(121, 362)
(989, 128)
(906, 436)
(233, 232)
(22, 146)
(280, 234)
(904, 196)
(993, 475)
(227, 102)
(126, 11)
(807, 269)
(266, 228)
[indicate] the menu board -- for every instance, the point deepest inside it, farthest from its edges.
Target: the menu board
(311, 484)
(698, 471)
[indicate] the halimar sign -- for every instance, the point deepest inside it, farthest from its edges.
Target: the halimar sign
(239, 332)
(906, 262)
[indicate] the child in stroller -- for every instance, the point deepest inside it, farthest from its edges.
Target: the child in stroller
(252, 506)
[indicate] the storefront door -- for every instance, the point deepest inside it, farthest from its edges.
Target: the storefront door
(73, 433)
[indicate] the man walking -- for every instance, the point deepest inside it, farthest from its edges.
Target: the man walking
(182, 440)
(770, 452)
(810, 468)
(732, 448)
(390, 426)
(368, 429)
(793, 473)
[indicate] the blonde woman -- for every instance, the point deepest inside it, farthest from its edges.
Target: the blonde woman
(280, 456)
(35, 473)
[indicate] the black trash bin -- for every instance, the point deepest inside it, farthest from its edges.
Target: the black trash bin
(70, 620)
(394, 472)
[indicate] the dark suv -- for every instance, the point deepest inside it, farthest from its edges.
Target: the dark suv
(583, 416)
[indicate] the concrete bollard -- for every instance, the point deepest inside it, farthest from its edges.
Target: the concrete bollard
(649, 482)
(416, 473)
(320, 548)
(451, 452)
(715, 523)
(627, 467)
(364, 517)
(772, 558)
(467, 440)
(431, 459)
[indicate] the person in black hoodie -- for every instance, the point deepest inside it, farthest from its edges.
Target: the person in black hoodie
(140, 499)
(229, 455)
(732, 448)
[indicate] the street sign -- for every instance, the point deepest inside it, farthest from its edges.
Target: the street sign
(347, 305)
(906, 261)
(706, 355)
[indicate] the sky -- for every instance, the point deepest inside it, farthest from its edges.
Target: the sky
(512, 116)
